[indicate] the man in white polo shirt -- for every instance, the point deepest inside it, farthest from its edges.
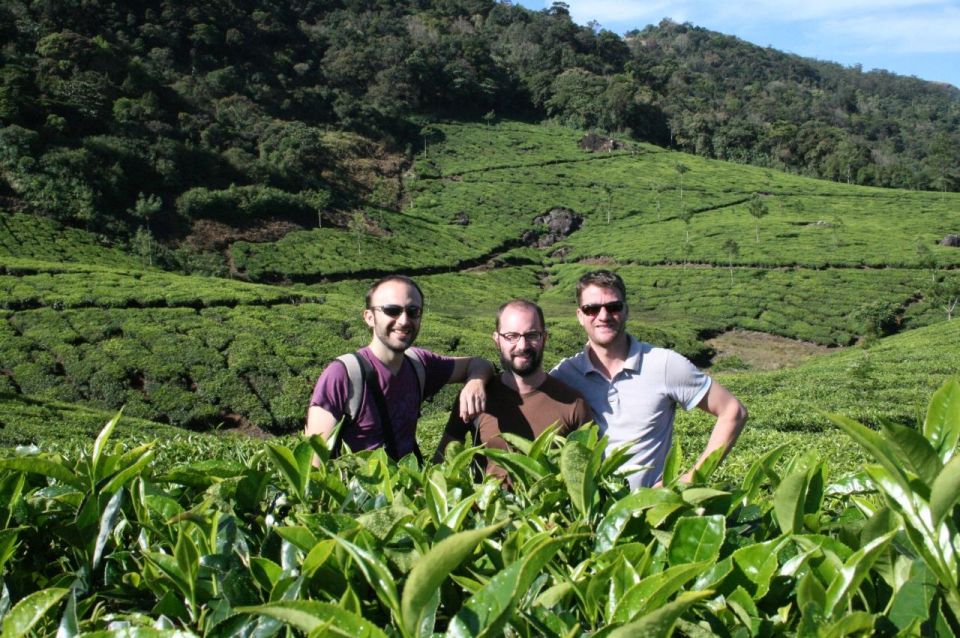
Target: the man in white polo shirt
(633, 388)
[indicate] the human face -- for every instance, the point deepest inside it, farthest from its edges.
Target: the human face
(525, 356)
(396, 333)
(605, 328)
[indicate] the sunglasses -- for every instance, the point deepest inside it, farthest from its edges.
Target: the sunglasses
(593, 309)
(393, 311)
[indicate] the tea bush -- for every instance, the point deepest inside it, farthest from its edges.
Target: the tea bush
(103, 543)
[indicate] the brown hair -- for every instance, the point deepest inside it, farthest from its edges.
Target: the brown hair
(601, 279)
(383, 280)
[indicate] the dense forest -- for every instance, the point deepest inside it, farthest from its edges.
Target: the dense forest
(136, 117)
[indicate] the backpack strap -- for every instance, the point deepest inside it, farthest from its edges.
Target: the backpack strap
(355, 387)
(419, 368)
(361, 379)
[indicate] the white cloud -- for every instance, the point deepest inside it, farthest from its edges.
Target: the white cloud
(918, 33)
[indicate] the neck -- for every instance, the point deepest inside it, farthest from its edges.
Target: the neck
(611, 357)
(523, 385)
(390, 358)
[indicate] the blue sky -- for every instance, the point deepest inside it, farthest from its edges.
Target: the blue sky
(909, 37)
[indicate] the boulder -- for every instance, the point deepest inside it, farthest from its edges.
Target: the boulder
(558, 223)
(593, 142)
(951, 240)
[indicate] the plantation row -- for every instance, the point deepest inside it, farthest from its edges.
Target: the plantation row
(101, 544)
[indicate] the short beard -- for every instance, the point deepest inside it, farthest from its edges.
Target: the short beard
(536, 358)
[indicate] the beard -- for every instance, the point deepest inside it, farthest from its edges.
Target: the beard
(525, 368)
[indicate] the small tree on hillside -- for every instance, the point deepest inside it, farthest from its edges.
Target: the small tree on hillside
(758, 209)
(686, 216)
(681, 170)
(732, 248)
(657, 189)
(926, 259)
(358, 226)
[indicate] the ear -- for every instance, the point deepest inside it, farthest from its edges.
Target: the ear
(368, 317)
(493, 336)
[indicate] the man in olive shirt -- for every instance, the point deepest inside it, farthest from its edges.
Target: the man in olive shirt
(523, 399)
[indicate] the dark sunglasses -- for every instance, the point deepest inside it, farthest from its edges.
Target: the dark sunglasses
(593, 309)
(393, 311)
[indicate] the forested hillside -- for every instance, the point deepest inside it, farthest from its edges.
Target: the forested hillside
(123, 117)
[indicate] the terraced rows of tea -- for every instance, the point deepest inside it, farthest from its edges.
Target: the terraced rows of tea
(92, 326)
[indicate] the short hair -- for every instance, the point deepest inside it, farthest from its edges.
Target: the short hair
(402, 278)
(601, 279)
(522, 303)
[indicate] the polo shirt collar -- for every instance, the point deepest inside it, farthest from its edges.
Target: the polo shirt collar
(633, 361)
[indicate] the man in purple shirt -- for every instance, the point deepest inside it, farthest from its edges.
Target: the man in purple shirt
(394, 307)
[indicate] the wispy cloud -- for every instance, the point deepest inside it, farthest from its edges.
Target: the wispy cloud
(926, 32)
(867, 26)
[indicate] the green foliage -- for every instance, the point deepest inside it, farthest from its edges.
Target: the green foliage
(364, 546)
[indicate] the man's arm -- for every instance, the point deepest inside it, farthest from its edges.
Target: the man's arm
(731, 416)
(473, 372)
(455, 430)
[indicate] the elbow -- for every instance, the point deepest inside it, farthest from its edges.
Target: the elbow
(740, 415)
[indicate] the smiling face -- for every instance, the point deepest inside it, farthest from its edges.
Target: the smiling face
(605, 328)
(396, 333)
(525, 355)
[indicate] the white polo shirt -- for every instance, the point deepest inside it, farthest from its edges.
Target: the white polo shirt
(636, 408)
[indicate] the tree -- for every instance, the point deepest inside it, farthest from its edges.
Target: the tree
(758, 209)
(657, 189)
(681, 169)
(686, 216)
(927, 259)
(357, 225)
(732, 248)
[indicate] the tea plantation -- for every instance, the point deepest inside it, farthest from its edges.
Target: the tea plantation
(197, 512)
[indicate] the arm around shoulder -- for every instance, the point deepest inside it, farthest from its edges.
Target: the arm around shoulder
(474, 372)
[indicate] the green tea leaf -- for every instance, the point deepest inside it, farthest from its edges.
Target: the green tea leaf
(654, 590)
(788, 501)
(54, 469)
(659, 623)
(915, 451)
(576, 470)
(945, 491)
(628, 507)
(100, 445)
(853, 572)
(28, 612)
(672, 467)
(489, 609)
(375, 571)
(313, 616)
(298, 535)
(942, 425)
(108, 521)
(432, 569)
(697, 539)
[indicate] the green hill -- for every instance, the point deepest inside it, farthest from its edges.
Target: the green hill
(92, 326)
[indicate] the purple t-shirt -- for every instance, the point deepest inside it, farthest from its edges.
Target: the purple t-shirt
(401, 392)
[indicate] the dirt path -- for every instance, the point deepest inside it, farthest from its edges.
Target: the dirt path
(762, 351)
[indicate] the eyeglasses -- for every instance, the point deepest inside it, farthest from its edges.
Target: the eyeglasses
(593, 309)
(393, 311)
(513, 338)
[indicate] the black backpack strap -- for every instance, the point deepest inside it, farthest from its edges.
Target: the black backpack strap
(389, 437)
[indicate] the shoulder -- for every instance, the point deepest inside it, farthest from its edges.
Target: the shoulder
(428, 358)
(569, 367)
(556, 389)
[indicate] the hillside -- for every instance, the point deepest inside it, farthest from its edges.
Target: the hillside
(828, 263)
(187, 123)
